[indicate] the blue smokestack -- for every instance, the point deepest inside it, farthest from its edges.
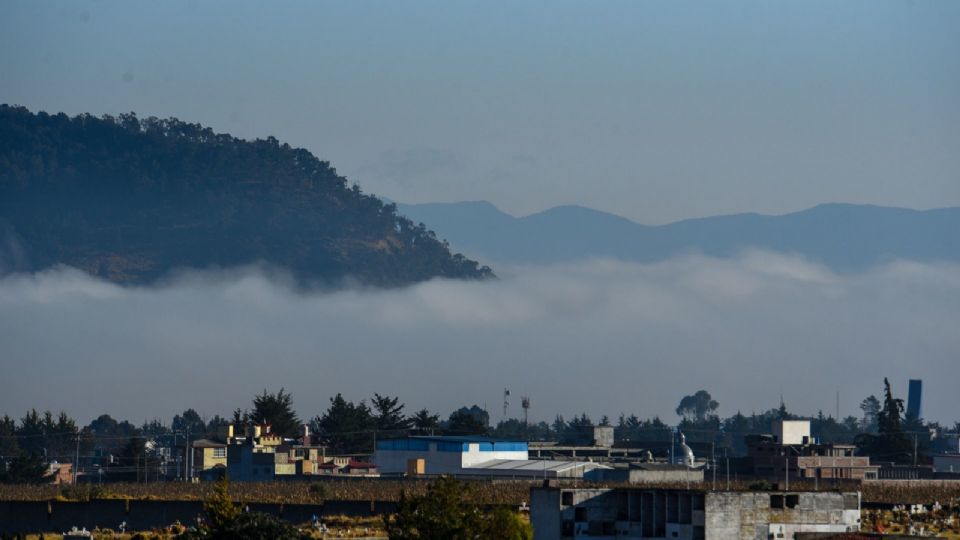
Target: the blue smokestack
(914, 399)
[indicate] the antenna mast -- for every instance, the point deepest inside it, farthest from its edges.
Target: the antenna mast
(525, 403)
(838, 406)
(506, 402)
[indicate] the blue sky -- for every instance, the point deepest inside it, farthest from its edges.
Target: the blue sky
(653, 110)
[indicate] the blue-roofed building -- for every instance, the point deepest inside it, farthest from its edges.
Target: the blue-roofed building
(469, 456)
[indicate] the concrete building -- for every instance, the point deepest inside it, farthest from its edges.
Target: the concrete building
(207, 455)
(790, 452)
(647, 473)
(594, 436)
(790, 432)
(470, 456)
(262, 455)
(946, 463)
(622, 513)
(59, 473)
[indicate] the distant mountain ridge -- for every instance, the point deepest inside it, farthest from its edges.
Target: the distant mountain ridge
(845, 237)
(130, 199)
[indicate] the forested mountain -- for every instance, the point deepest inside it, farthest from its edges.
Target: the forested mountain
(845, 237)
(130, 199)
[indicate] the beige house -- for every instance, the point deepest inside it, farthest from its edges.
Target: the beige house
(207, 455)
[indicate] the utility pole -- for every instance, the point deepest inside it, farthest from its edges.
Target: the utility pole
(506, 402)
(838, 407)
(672, 437)
(914, 448)
(76, 464)
(728, 473)
(186, 459)
(713, 463)
(175, 455)
(786, 472)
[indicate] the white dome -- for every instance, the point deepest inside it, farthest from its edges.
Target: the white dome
(686, 456)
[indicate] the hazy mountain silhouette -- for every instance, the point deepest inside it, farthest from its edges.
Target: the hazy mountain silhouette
(845, 237)
(131, 199)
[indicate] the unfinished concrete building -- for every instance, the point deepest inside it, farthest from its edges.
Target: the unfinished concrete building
(620, 513)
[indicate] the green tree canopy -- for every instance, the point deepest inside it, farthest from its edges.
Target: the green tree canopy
(347, 428)
(445, 512)
(871, 412)
(472, 421)
(24, 469)
(189, 423)
(276, 410)
(890, 443)
(697, 407)
(425, 423)
(388, 414)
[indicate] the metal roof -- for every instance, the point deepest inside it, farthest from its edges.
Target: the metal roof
(533, 465)
(459, 438)
(207, 443)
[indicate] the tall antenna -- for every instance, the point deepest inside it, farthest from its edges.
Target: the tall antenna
(525, 403)
(506, 402)
(837, 417)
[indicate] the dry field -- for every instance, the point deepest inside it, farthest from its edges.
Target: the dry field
(947, 493)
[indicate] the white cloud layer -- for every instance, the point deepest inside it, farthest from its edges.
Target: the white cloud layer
(602, 337)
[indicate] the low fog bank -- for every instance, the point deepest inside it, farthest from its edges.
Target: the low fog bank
(602, 337)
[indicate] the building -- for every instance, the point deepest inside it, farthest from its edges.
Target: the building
(470, 456)
(915, 399)
(946, 463)
(791, 453)
(59, 473)
(262, 455)
(593, 436)
(647, 473)
(621, 513)
(207, 456)
(792, 432)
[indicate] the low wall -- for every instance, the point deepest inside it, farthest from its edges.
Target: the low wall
(59, 516)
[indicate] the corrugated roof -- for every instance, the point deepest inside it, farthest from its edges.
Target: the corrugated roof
(458, 438)
(534, 465)
(207, 443)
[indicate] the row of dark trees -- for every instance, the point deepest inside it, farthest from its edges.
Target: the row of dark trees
(347, 427)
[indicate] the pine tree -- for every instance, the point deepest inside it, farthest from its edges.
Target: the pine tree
(220, 510)
(276, 410)
(388, 414)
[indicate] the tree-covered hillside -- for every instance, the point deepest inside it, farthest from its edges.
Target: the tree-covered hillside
(130, 199)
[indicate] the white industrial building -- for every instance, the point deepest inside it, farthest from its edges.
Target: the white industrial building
(470, 456)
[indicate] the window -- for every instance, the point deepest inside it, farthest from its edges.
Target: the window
(219, 452)
(792, 501)
(566, 498)
(580, 513)
(776, 501)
